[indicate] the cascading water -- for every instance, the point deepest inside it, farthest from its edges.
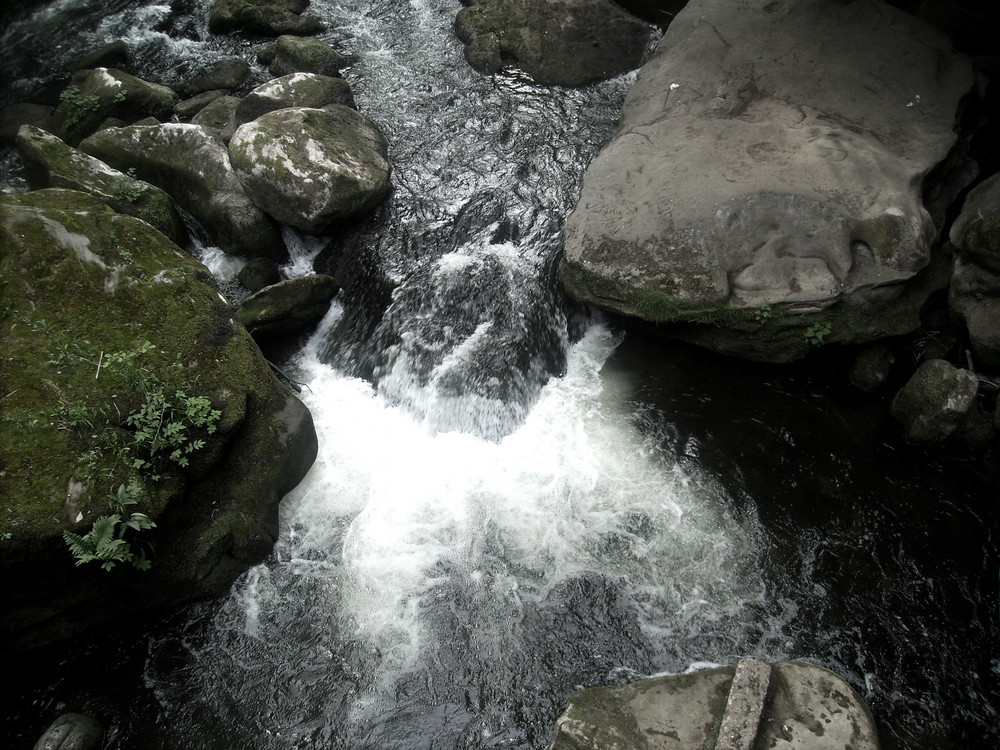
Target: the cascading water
(509, 501)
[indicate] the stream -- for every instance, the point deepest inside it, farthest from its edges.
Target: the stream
(514, 497)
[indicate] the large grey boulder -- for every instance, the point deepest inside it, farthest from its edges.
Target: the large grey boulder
(310, 168)
(193, 167)
(297, 54)
(557, 42)
(936, 401)
(219, 117)
(49, 162)
(294, 90)
(269, 17)
(93, 96)
(763, 190)
(749, 705)
(974, 294)
(107, 319)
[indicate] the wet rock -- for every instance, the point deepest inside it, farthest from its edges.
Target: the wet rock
(93, 96)
(71, 732)
(871, 366)
(294, 90)
(188, 108)
(935, 401)
(193, 167)
(219, 117)
(767, 177)
(49, 162)
(268, 17)
(287, 306)
(258, 273)
(293, 54)
(974, 295)
(13, 116)
(749, 705)
(556, 42)
(310, 168)
(112, 55)
(226, 74)
(91, 280)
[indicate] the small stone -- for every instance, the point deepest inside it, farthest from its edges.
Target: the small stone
(935, 401)
(871, 366)
(71, 732)
(258, 273)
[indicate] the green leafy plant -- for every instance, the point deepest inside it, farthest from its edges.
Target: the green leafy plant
(163, 428)
(817, 332)
(763, 312)
(111, 539)
(79, 107)
(121, 96)
(127, 187)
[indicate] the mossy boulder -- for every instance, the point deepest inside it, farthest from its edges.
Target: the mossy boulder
(295, 90)
(936, 401)
(219, 117)
(49, 162)
(193, 167)
(311, 168)
(100, 312)
(287, 306)
(93, 96)
(556, 42)
(296, 54)
(268, 17)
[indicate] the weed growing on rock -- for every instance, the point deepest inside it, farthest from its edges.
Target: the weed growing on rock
(78, 106)
(110, 539)
(817, 332)
(127, 187)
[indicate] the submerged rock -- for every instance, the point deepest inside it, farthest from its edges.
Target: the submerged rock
(102, 314)
(935, 402)
(71, 732)
(49, 162)
(310, 168)
(556, 42)
(270, 17)
(763, 192)
(194, 168)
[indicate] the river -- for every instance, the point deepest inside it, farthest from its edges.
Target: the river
(515, 498)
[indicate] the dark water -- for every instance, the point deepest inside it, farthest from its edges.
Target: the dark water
(514, 500)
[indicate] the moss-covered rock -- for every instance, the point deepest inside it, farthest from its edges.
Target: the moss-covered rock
(935, 402)
(194, 168)
(295, 54)
(295, 90)
(49, 162)
(310, 168)
(560, 42)
(219, 117)
(287, 306)
(268, 17)
(99, 313)
(93, 96)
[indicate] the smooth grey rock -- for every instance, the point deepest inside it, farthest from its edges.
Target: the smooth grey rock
(71, 732)
(287, 306)
(219, 116)
(93, 96)
(935, 401)
(193, 167)
(13, 116)
(771, 156)
(310, 168)
(294, 90)
(556, 42)
(295, 54)
(49, 162)
(744, 706)
(871, 366)
(269, 17)
(806, 706)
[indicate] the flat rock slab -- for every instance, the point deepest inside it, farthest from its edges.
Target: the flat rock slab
(771, 156)
(789, 704)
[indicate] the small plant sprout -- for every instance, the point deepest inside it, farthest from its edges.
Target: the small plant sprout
(817, 332)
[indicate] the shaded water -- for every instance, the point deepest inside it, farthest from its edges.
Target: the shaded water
(513, 500)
